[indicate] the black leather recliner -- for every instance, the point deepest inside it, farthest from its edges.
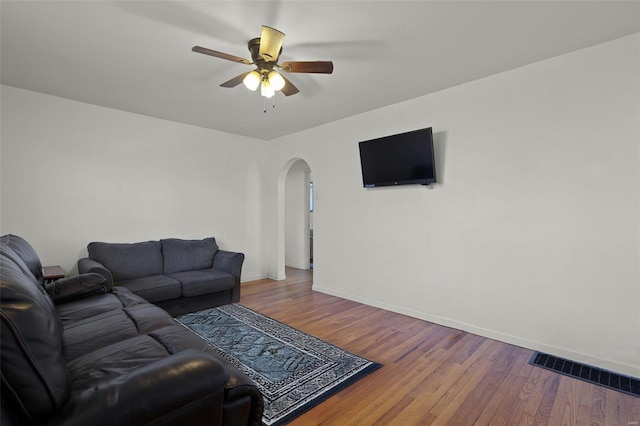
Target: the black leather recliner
(78, 353)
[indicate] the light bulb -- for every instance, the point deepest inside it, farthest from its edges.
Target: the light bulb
(266, 90)
(252, 80)
(276, 81)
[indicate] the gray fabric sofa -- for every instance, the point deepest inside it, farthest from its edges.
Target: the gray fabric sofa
(180, 276)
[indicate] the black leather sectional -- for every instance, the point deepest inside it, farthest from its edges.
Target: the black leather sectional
(78, 353)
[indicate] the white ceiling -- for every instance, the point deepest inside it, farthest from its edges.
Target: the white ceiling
(136, 55)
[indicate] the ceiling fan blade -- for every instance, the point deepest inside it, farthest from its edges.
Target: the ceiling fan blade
(270, 43)
(288, 89)
(235, 80)
(319, 67)
(221, 55)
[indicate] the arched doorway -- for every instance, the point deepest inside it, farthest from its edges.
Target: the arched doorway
(295, 217)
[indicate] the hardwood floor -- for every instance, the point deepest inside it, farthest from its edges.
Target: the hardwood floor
(432, 375)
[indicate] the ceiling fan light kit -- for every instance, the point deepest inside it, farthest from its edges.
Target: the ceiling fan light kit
(276, 80)
(265, 52)
(252, 80)
(266, 90)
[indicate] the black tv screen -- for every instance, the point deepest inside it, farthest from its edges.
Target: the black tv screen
(402, 159)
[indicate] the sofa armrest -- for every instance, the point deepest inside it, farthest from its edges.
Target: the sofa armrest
(185, 388)
(230, 262)
(87, 265)
(76, 287)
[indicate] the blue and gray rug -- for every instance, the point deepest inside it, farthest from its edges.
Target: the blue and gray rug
(294, 371)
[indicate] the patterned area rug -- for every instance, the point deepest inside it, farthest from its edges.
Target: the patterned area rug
(294, 371)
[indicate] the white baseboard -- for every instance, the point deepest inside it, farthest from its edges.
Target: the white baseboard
(627, 369)
(253, 278)
(297, 266)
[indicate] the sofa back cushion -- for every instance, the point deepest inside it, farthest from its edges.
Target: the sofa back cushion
(188, 255)
(28, 255)
(127, 261)
(35, 378)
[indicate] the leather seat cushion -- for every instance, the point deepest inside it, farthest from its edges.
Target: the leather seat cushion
(114, 361)
(97, 304)
(178, 338)
(88, 334)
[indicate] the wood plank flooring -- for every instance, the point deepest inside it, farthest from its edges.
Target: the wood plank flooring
(432, 375)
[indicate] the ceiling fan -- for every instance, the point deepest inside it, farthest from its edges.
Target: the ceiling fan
(265, 51)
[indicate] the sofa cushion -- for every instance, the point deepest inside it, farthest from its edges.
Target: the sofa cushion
(204, 281)
(187, 255)
(84, 335)
(154, 288)
(88, 334)
(128, 260)
(35, 377)
(115, 360)
(28, 255)
(119, 298)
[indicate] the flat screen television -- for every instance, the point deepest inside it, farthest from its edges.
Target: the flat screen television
(402, 159)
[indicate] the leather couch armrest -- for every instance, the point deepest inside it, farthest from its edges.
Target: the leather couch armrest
(87, 265)
(76, 287)
(185, 388)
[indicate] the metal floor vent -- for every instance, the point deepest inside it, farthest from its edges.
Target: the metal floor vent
(594, 375)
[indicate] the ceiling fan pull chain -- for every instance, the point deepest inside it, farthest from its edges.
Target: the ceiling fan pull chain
(264, 107)
(273, 101)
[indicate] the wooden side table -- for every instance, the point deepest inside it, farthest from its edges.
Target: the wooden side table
(52, 273)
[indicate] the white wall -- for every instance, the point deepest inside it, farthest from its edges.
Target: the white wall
(532, 235)
(74, 173)
(297, 216)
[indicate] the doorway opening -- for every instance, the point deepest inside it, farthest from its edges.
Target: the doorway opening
(298, 217)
